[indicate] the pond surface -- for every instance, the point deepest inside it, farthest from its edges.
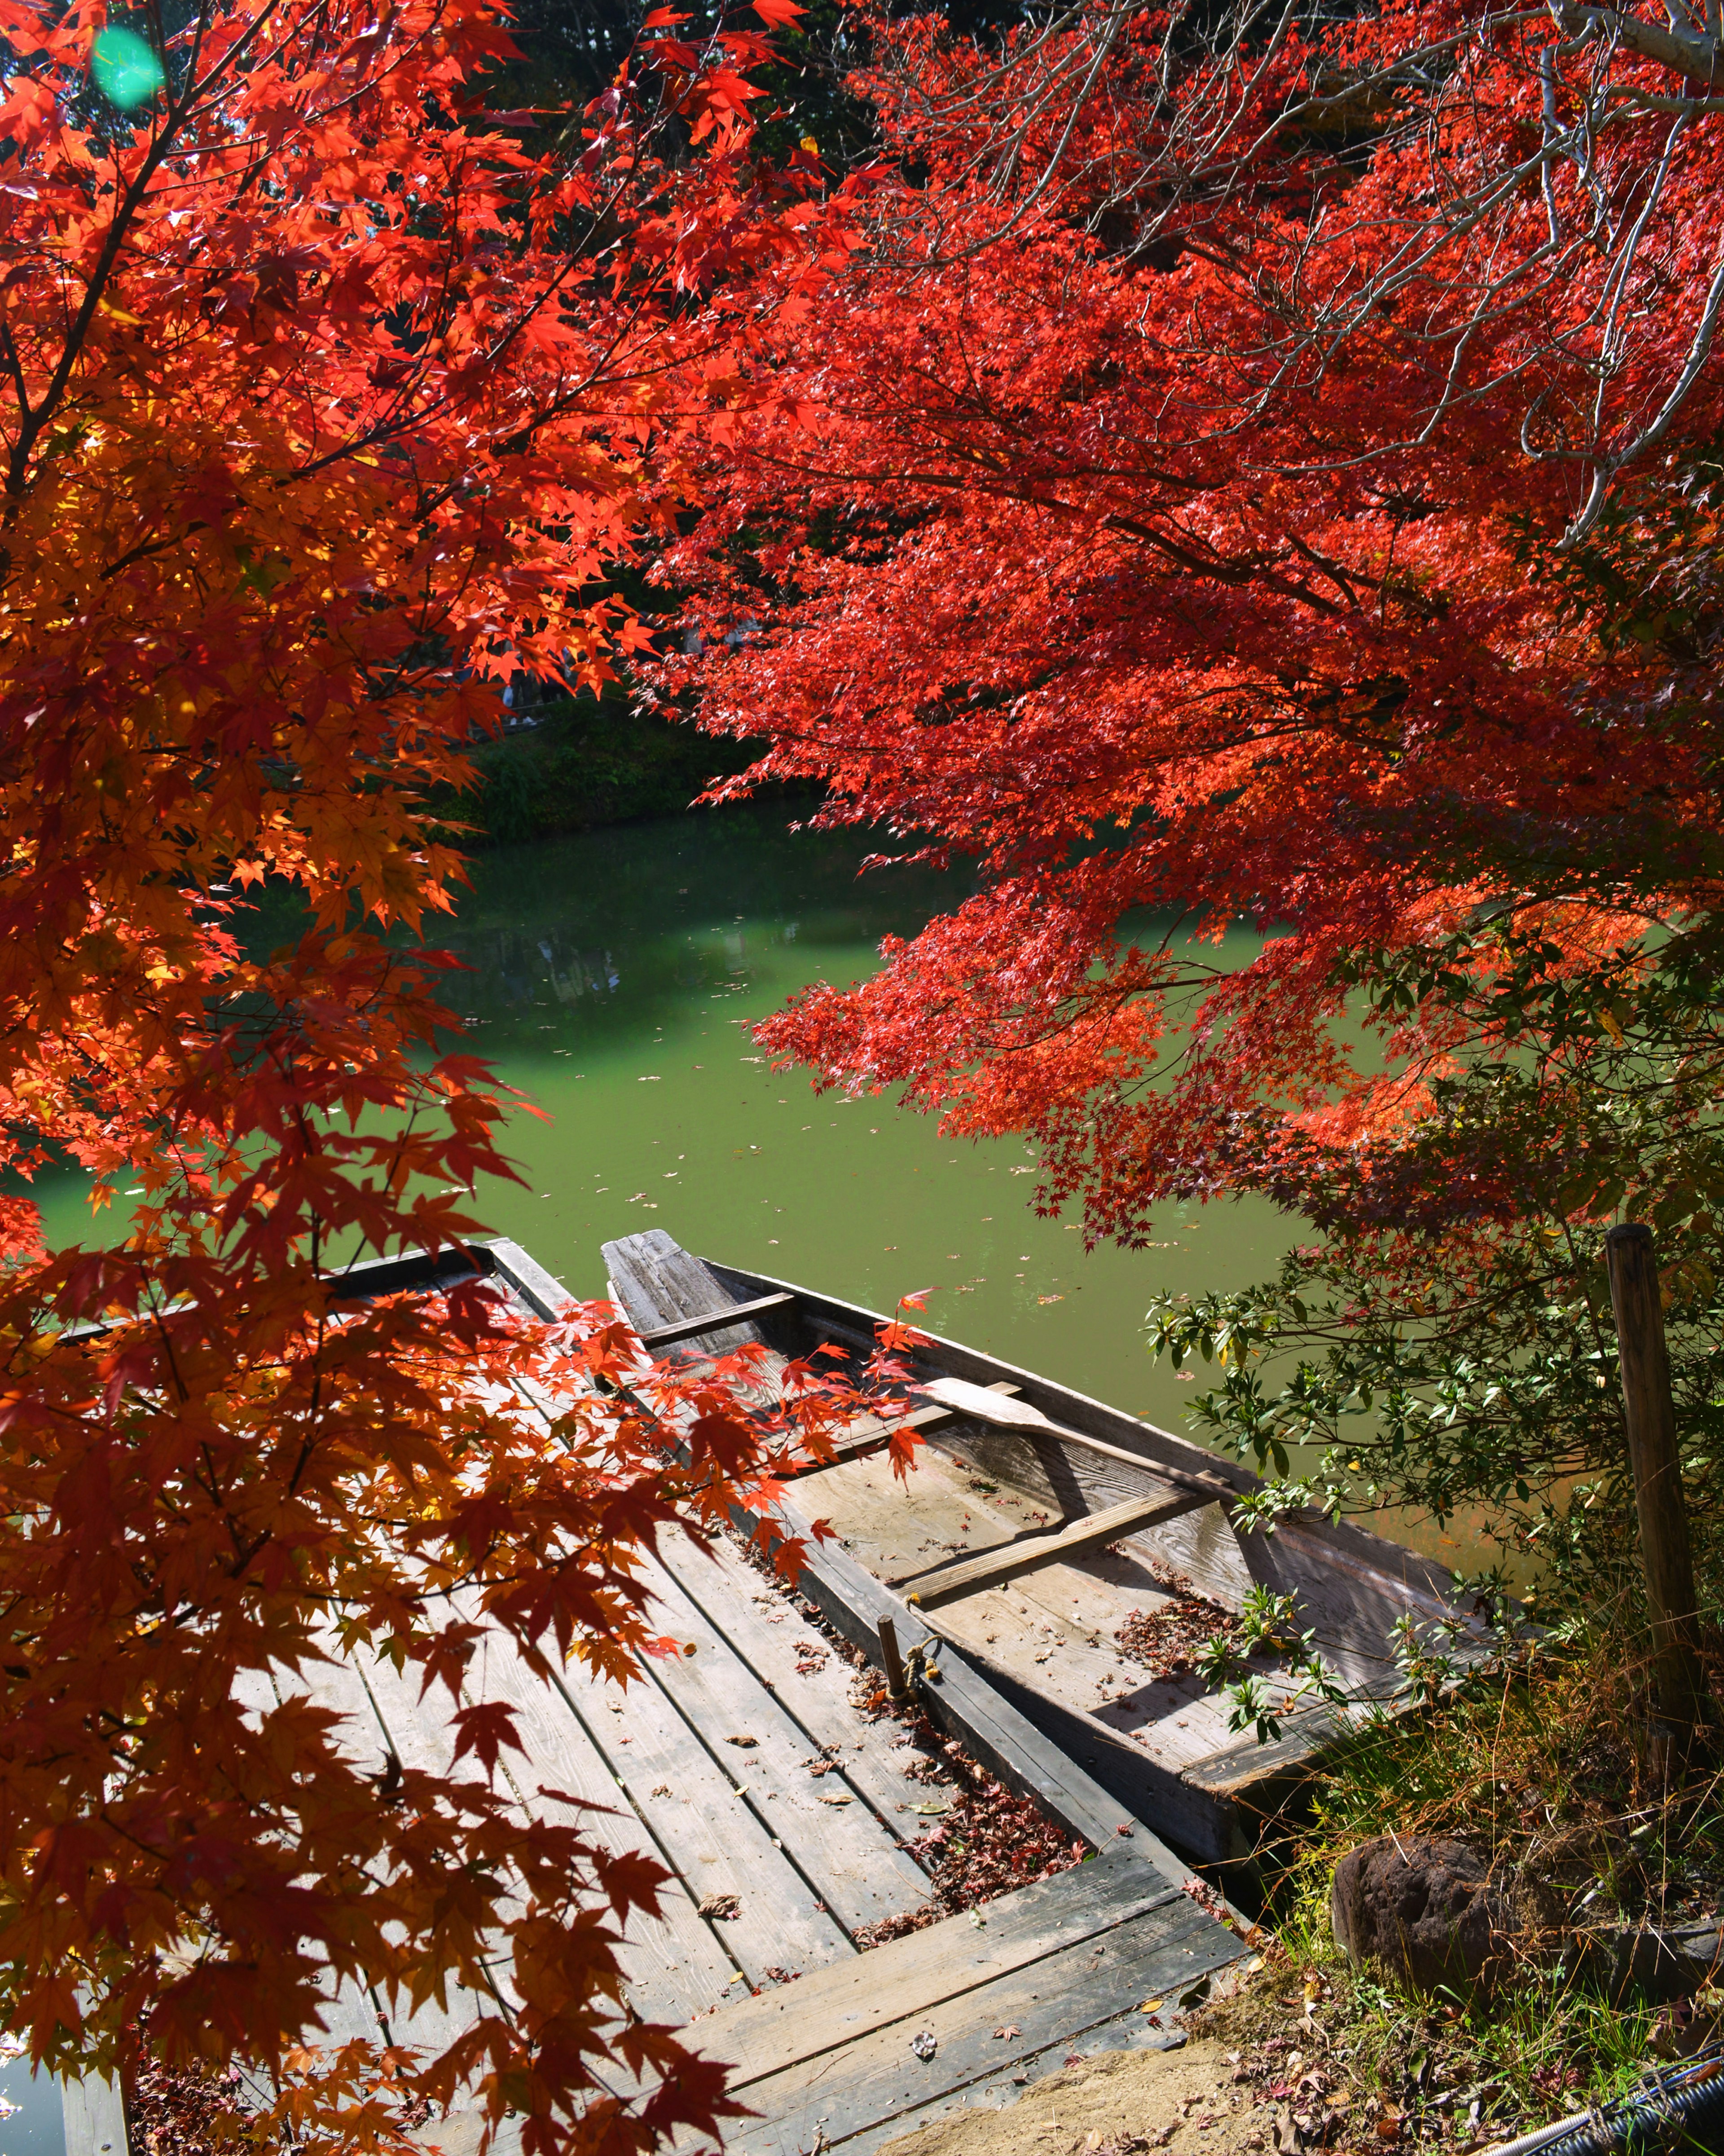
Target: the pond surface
(31, 2121)
(614, 978)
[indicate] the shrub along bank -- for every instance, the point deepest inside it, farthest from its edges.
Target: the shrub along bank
(582, 763)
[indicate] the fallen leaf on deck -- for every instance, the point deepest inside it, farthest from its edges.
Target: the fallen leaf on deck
(833, 1800)
(1151, 2005)
(1010, 2030)
(663, 1789)
(747, 1743)
(720, 1907)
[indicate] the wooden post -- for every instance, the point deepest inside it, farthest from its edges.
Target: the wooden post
(897, 1687)
(1650, 1413)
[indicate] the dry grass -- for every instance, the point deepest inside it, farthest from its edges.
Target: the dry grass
(1546, 1767)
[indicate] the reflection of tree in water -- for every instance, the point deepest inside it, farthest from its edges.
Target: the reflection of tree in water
(614, 932)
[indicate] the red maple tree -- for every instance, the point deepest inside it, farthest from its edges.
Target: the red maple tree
(1176, 506)
(323, 405)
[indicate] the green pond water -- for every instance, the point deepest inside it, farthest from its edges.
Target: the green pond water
(614, 978)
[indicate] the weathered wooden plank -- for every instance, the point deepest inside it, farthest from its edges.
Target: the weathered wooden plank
(868, 1431)
(766, 2035)
(877, 2078)
(992, 2091)
(93, 2111)
(1033, 1634)
(711, 1831)
(827, 1827)
(900, 1526)
(352, 2011)
(765, 1624)
(417, 1733)
(675, 1965)
(691, 1328)
(658, 1281)
(946, 1582)
(991, 1403)
(545, 1295)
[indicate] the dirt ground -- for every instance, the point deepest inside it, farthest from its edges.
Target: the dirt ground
(1187, 2101)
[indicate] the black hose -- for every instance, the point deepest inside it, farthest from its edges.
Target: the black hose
(1677, 2106)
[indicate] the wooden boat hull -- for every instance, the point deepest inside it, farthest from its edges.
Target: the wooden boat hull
(1162, 1750)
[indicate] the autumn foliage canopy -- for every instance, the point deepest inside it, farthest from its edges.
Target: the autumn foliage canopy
(323, 405)
(1206, 464)
(1197, 507)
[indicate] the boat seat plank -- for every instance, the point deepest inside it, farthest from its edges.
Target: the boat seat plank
(869, 1431)
(1056, 1998)
(711, 1830)
(691, 1328)
(984, 1403)
(828, 1824)
(947, 1583)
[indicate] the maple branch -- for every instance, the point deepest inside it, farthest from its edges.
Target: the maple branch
(1698, 59)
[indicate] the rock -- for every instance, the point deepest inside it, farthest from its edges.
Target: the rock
(1664, 1963)
(1424, 1908)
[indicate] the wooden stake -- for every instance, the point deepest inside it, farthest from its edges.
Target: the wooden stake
(1649, 1412)
(897, 1688)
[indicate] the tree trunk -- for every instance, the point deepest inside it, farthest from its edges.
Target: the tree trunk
(1651, 1417)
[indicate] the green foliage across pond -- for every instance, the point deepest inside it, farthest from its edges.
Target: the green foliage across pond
(582, 764)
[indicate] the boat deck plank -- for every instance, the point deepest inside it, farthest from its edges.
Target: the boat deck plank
(676, 1963)
(711, 1831)
(948, 1583)
(770, 1632)
(1060, 1962)
(828, 1823)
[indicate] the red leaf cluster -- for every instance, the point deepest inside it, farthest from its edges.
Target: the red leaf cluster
(324, 406)
(1176, 507)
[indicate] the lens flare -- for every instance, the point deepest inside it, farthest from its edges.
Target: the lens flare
(126, 71)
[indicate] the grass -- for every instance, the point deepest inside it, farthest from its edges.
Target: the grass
(1543, 1766)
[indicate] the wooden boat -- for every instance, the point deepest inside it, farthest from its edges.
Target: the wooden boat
(1043, 1537)
(791, 1819)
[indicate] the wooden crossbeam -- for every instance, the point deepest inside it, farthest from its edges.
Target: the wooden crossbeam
(1030, 1552)
(870, 1430)
(713, 1321)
